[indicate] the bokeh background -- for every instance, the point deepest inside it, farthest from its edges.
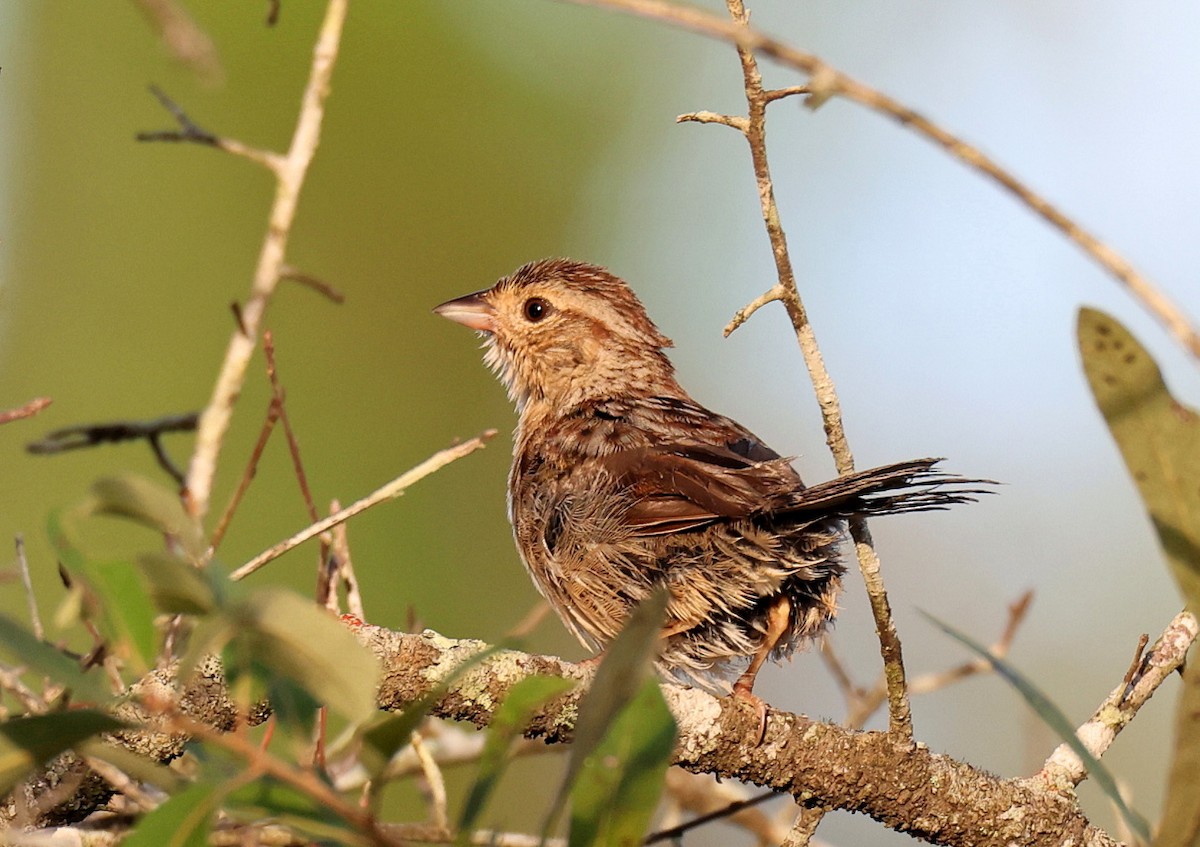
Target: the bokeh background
(465, 138)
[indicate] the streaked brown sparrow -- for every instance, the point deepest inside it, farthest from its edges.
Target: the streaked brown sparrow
(621, 482)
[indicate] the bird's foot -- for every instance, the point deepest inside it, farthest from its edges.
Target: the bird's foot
(747, 696)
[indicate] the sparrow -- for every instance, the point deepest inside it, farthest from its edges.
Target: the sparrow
(622, 483)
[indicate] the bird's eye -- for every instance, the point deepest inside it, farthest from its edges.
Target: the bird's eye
(536, 308)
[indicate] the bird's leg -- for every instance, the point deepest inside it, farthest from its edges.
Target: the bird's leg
(778, 617)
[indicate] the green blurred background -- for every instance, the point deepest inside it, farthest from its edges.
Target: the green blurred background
(465, 138)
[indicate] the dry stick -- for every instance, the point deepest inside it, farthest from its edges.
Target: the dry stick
(392, 490)
(290, 172)
(264, 434)
(753, 127)
(1064, 769)
(27, 411)
(826, 81)
(35, 619)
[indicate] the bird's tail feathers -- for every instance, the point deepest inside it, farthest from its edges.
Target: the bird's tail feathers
(912, 486)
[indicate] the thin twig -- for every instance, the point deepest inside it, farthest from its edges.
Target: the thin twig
(308, 280)
(435, 782)
(264, 434)
(392, 490)
(27, 411)
(191, 132)
(345, 566)
(753, 128)
(35, 619)
(214, 422)
(89, 435)
(826, 81)
(1167, 655)
(727, 811)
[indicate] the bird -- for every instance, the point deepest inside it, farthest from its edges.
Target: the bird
(621, 484)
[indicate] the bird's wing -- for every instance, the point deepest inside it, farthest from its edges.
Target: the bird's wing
(685, 485)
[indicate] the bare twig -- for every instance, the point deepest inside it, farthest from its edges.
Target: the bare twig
(753, 128)
(316, 284)
(289, 433)
(714, 801)
(35, 619)
(1167, 654)
(27, 411)
(264, 434)
(434, 781)
(89, 435)
(825, 82)
(191, 132)
(290, 173)
(390, 491)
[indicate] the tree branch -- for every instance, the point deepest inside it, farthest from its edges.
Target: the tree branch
(214, 422)
(825, 82)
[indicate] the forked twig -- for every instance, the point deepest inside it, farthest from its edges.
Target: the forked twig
(826, 81)
(290, 171)
(89, 435)
(390, 491)
(753, 128)
(1167, 654)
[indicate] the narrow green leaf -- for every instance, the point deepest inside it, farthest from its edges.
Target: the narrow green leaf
(26, 743)
(183, 821)
(125, 613)
(292, 636)
(1054, 718)
(627, 662)
(523, 699)
(1159, 438)
(179, 588)
(618, 788)
(1180, 825)
(149, 504)
(23, 648)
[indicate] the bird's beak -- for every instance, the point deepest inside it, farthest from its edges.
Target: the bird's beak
(473, 310)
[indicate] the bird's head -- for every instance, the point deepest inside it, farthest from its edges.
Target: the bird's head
(564, 332)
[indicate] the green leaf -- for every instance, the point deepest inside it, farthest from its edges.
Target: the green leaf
(618, 788)
(523, 699)
(1054, 718)
(183, 821)
(628, 661)
(179, 588)
(290, 635)
(147, 503)
(1158, 436)
(38, 656)
(26, 743)
(1181, 814)
(125, 613)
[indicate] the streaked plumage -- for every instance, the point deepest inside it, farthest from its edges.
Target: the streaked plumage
(621, 482)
